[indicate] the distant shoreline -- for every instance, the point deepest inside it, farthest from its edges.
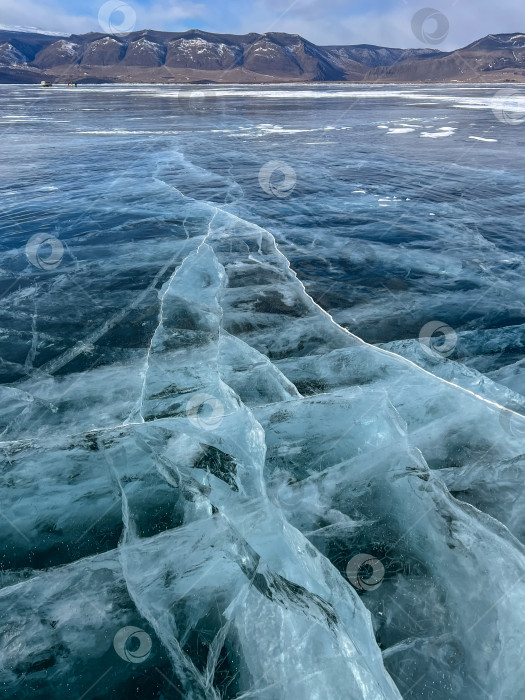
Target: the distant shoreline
(198, 85)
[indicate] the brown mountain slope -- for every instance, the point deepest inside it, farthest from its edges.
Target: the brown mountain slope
(495, 58)
(196, 56)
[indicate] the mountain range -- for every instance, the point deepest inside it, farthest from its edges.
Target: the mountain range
(201, 57)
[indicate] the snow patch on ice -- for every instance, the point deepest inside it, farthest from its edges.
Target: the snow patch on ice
(440, 133)
(481, 138)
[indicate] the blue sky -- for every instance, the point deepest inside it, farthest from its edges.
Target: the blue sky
(385, 22)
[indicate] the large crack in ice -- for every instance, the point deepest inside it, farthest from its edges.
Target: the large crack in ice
(162, 296)
(264, 232)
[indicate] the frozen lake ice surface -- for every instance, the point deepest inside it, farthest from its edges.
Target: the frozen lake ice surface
(263, 393)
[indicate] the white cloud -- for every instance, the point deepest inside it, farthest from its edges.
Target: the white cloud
(46, 17)
(320, 21)
(50, 17)
(167, 14)
(334, 22)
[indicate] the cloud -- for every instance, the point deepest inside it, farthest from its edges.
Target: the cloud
(163, 14)
(383, 22)
(51, 17)
(169, 15)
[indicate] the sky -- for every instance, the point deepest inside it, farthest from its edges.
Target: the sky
(325, 22)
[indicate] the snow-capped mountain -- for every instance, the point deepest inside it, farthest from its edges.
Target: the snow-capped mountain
(28, 55)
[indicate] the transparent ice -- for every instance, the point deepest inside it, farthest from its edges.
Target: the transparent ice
(197, 449)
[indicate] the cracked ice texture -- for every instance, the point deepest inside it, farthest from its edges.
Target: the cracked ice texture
(227, 541)
(179, 528)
